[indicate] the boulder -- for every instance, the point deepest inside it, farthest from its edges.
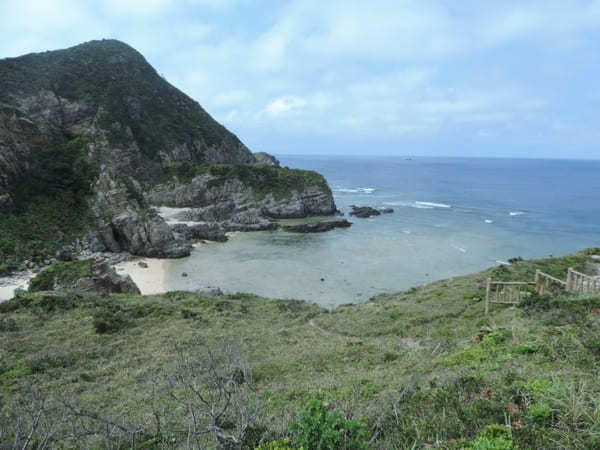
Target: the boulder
(106, 280)
(387, 210)
(317, 227)
(147, 234)
(65, 254)
(363, 211)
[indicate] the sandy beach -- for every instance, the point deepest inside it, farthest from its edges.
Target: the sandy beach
(151, 279)
(9, 284)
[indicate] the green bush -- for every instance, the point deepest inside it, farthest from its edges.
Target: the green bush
(109, 321)
(61, 273)
(321, 429)
(494, 437)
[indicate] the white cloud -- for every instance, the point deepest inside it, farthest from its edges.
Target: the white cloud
(284, 105)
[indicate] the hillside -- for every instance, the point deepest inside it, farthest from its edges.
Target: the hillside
(418, 369)
(85, 132)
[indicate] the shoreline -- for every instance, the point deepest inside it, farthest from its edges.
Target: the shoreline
(151, 279)
(18, 281)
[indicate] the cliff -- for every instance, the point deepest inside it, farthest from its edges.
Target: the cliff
(96, 127)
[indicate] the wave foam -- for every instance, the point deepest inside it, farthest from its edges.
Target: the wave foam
(516, 213)
(363, 190)
(433, 205)
(488, 221)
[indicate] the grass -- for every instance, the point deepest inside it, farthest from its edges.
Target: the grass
(62, 273)
(262, 179)
(422, 368)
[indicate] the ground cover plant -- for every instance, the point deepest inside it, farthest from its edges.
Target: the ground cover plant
(421, 368)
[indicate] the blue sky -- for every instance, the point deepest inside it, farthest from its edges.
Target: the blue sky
(485, 78)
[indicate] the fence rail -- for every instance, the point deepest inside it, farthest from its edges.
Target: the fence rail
(511, 292)
(580, 282)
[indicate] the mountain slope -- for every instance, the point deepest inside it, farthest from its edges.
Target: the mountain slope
(86, 131)
(106, 90)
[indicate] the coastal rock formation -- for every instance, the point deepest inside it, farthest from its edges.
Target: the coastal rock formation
(363, 211)
(318, 227)
(98, 128)
(83, 276)
(265, 158)
(236, 197)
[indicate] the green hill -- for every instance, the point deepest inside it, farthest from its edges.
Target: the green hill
(418, 369)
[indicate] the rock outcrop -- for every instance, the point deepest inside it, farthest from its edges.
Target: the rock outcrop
(364, 211)
(318, 227)
(117, 129)
(238, 203)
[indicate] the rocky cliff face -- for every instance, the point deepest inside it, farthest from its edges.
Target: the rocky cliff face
(237, 205)
(111, 118)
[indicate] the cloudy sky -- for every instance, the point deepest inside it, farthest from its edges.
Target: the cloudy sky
(486, 78)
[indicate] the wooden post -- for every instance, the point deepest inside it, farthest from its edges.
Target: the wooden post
(487, 296)
(569, 279)
(538, 280)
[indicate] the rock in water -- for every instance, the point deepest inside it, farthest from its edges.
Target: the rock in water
(318, 227)
(363, 211)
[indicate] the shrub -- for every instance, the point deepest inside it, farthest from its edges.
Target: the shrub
(108, 321)
(320, 429)
(494, 437)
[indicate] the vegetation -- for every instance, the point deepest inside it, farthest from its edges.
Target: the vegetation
(262, 179)
(50, 203)
(418, 369)
(62, 273)
(134, 101)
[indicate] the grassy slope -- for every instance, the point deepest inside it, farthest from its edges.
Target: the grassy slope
(420, 366)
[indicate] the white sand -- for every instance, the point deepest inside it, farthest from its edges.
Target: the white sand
(8, 286)
(150, 280)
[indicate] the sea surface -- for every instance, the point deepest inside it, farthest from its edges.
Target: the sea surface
(452, 216)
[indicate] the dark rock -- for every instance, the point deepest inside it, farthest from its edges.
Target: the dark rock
(6, 203)
(94, 242)
(263, 225)
(322, 279)
(65, 254)
(318, 227)
(363, 211)
(387, 210)
(147, 234)
(199, 232)
(184, 274)
(143, 265)
(106, 280)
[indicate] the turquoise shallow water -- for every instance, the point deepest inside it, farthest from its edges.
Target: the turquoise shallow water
(452, 216)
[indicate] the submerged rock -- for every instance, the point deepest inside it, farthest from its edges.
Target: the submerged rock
(363, 211)
(318, 227)
(387, 210)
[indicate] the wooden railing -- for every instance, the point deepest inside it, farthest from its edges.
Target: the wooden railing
(580, 282)
(504, 292)
(545, 282)
(511, 292)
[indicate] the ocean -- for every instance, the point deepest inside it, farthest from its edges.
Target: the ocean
(452, 216)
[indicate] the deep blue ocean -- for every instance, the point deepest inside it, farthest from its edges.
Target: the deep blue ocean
(452, 216)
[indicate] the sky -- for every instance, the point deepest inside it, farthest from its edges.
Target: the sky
(489, 78)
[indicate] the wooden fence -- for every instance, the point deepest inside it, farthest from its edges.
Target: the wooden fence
(580, 282)
(511, 292)
(504, 292)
